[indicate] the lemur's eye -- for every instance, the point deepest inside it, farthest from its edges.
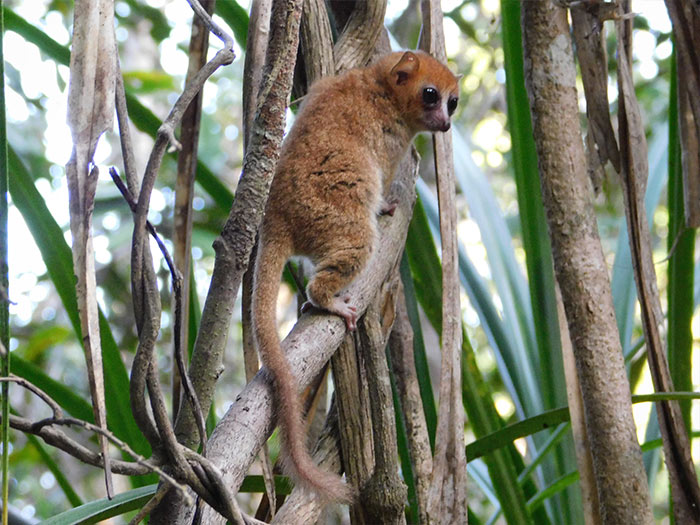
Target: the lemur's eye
(452, 105)
(430, 96)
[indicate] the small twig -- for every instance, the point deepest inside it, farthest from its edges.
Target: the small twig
(55, 408)
(150, 505)
(142, 276)
(36, 428)
(59, 440)
(124, 133)
(210, 475)
(676, 240)
(69, 421)
(211, 25)
(297, 100)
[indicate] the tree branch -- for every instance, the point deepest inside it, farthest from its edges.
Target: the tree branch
(580, 266)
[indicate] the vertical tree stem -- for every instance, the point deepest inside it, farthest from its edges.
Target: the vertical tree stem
(580, 266)
(4, 302)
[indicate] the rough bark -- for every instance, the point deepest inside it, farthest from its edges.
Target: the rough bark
(404, 368)
(447, 496)
(382, 498)
(580, 266)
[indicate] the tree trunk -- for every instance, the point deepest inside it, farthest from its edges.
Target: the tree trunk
(580, 266)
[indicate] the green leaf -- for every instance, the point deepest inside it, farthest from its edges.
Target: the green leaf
(546, 358)
(103, 509)
(420, 357)
(555, 488)
(403, 448)
(477, 400)
(68, 400)
(681, 249)
(45, 43)
(160, 28)
(56, 470)
(549, 419)
(538, 252)
(255, 483)
(508, 434)
(148, 81)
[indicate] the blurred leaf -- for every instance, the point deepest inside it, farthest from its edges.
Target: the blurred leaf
(160, 28)
(421, 360)
(546, 355)
(555, 488)
(45, 43)
(56, 470)
(551, 418)
(66, 397)
(148, 81)
(43, 338)
(255, 483)
(681, 250)
(142, 117)
(4, 285)
(236, 17)
(426, 272)
(501, 437)
(548, 363)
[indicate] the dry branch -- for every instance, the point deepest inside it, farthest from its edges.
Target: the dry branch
(355, 418)
(447, 498)
(685, 491)
(90, 113)
(46, 430)
(589, 34)
(234, 245)
(256, 50)
(361, 30)
(384, 495)
(156, 425)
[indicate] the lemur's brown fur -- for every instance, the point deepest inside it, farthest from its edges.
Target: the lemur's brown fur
(336, 164)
